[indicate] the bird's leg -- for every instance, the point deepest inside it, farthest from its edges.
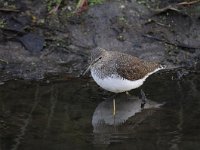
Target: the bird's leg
(114, 107)
(144, 99)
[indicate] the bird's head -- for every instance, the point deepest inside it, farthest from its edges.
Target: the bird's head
(97, 54)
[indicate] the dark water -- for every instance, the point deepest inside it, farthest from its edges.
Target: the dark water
(76, 114)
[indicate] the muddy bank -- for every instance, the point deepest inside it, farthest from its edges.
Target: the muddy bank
(34, 43)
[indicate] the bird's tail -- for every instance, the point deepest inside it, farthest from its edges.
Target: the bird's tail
(163, 66)
(169, 67)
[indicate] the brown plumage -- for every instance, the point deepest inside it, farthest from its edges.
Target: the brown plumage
(133, 68)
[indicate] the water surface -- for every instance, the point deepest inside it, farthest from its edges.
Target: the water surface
(77, 114)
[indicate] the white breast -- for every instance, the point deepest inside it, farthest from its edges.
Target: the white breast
(116, 84)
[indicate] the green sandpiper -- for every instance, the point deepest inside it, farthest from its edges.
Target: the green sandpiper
(119, 72)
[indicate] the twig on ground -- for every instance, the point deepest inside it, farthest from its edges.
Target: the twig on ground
(156, 22)
(55, 9)
(81, 6)
(181, 45)
(188, 3)
(174, 7)
(4, 61)
(9, 10)
(161, 10)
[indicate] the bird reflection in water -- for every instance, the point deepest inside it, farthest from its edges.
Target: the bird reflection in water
(109, 128)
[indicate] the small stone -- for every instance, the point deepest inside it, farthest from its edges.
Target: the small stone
(32, 42)
(122, 6)
(69, 8)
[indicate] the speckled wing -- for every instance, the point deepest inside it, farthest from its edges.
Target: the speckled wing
(133, 68)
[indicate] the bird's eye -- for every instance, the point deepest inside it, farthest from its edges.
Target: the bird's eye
(100, 57)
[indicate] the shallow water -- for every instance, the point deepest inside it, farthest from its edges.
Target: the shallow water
(77, 114)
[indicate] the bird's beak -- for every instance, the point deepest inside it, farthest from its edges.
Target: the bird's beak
(88, 68)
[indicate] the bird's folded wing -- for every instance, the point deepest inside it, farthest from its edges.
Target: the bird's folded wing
(134, 68)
